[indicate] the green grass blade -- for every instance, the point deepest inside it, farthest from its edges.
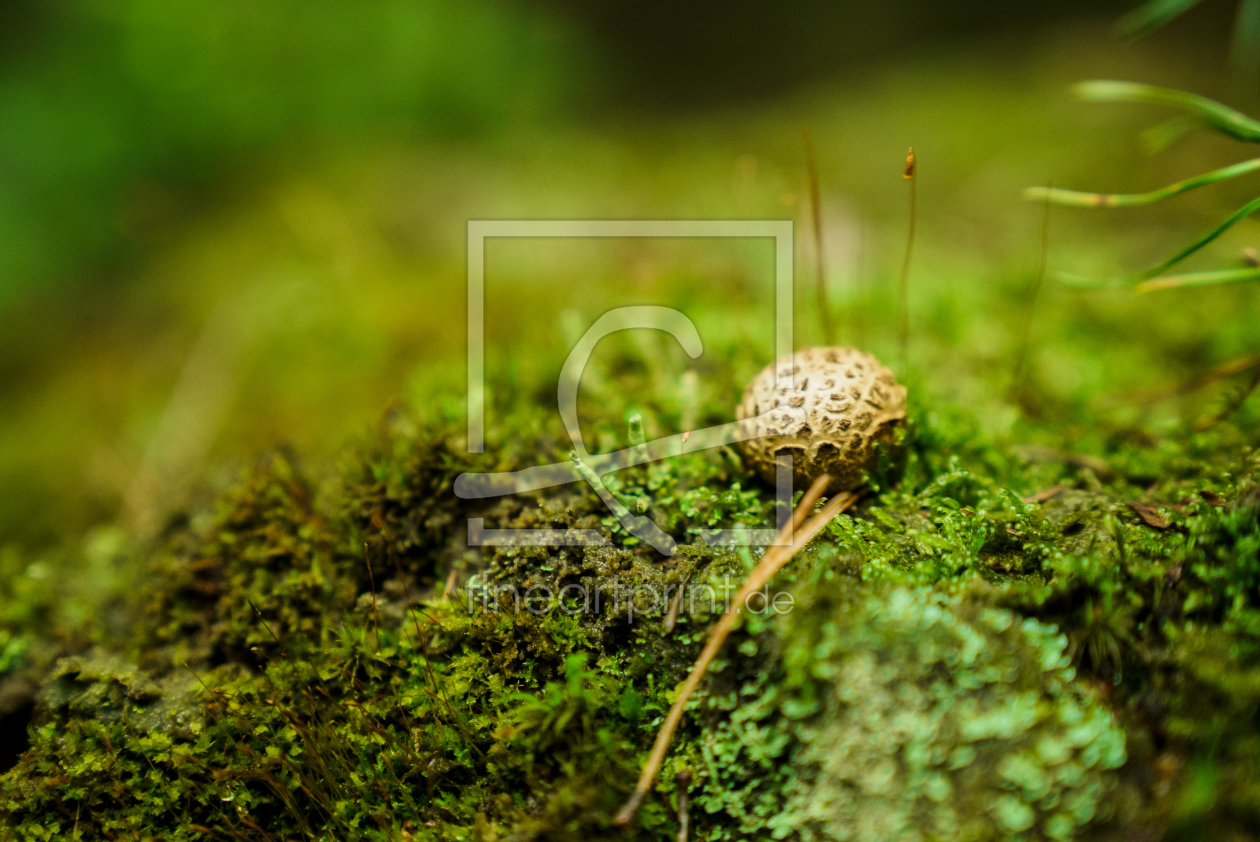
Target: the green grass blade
(1232, 220)
(1211, 113)
(1196, 279)
(1077, 198)
(1111, 283)
(1152, 15)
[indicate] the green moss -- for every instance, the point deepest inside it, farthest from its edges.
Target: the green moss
(935, 719)
(267, 570)
(960, 663)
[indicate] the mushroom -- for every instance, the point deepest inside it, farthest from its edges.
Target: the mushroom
(828, 408)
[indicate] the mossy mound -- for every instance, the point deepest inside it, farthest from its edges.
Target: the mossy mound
(973, 653)
(940, 720)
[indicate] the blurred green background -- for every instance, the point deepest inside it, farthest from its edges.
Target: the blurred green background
(229, 226)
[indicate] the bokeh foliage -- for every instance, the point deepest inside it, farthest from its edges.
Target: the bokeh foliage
(117, 115)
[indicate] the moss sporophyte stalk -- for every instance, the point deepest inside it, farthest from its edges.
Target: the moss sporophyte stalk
(984, 646)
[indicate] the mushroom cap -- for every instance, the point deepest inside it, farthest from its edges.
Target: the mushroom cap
(828, 407)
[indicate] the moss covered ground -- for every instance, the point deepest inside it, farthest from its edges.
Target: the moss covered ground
(991, 645)
(1044, 624)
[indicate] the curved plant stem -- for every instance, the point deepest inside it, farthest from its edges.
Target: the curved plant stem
(1221, 372)
(1195, 279)
(1081, 199)
(1232, 405)
(1233, 219)
(773, 560)
(1210, 113)
(1030, 300)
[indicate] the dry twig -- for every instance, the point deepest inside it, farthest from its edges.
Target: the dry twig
(773, 560)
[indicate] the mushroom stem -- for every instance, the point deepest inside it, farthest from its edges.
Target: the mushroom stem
(773, 560)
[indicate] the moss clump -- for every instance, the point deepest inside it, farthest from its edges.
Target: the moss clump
(918, 717)
(1169, 618)
(267, 569)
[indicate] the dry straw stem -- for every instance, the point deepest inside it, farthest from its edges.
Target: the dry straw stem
(1221, 372)
(820, 259)
(903, 290)
(773, 560)
(1233, 403)
(684, 818)
(1030, 299)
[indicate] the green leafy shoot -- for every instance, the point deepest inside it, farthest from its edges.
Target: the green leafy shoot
(1198, 110)
(1230, 221)
(1194, 279)
(1082, 199)
(1155, 271)
(1208, 112)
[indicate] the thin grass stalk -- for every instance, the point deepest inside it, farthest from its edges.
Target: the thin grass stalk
(1194, 279)
(1030, 300)
(1233, 404)
(1131, 280)
(903, 287)
(1220, 372)
(1212, 114)
(773, 560)
(1083, 199)
(861, 306)
(820, 258)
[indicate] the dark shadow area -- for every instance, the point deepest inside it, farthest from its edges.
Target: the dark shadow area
(14, 741)
(711, 53)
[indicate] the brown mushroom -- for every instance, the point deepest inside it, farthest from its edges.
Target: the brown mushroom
(827, 407)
